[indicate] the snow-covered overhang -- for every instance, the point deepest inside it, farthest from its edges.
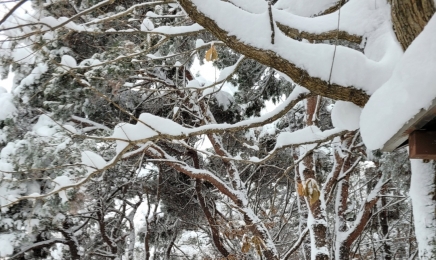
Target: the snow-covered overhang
(424, 120)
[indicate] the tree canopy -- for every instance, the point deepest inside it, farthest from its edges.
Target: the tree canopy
(113, 146)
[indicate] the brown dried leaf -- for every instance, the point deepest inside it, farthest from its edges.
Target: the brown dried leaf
(306, 188)
(211, 54)
(258, 250)
(314, 196)
(245, 247)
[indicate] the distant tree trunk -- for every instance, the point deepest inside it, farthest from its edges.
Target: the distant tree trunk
(423, 194)
(342, 250)
(213, 225)
(303, 213)
(317, 228)
(384, 225)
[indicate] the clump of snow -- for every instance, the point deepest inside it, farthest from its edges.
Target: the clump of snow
(148, 126)
(32, 78)
(224, 99)
(199, 43)
(151, 14)
(227, 71)
(346, 115)
(58, 218)
(178, 29)
(147, 25)
(410, 89)
(45, 126)
(193, 84)
(71, 128)
(90, 62)
(61, 182)
(93, 161)
(308, 134)
(175, 110)
(7, 107)
(23, 55)
(51, 22)
(69, 61)
(6, 244)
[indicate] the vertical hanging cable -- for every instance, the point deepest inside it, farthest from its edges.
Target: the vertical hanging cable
(336, 43)
(271, 22)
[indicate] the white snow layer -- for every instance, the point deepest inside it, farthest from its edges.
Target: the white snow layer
(421, 189)
(151, 126)
(6, 244)
(61, 182)
(69, 61)
(45, 126)
(305, 8)
(345, 115)
(308, 134)
(93, 161)
(351, 67)
(147, 25)
(411, 88)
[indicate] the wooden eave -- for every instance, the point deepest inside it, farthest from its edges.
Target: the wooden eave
(417, 122)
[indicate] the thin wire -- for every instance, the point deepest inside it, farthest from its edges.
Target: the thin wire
(336, 43)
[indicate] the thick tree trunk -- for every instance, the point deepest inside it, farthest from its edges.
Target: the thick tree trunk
(409, 18)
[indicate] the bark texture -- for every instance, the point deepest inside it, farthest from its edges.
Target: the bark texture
(330, 35)
(409, 18)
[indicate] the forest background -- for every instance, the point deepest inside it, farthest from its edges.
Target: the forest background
(102, 132)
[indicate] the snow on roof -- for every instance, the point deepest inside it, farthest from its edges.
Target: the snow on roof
(405, 98)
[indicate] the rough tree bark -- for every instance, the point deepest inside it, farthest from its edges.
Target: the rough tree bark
(409, 18)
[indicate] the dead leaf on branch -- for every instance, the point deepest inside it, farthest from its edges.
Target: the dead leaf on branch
(309, 189)
(245, 247)
(211, 54)
(314, 197)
